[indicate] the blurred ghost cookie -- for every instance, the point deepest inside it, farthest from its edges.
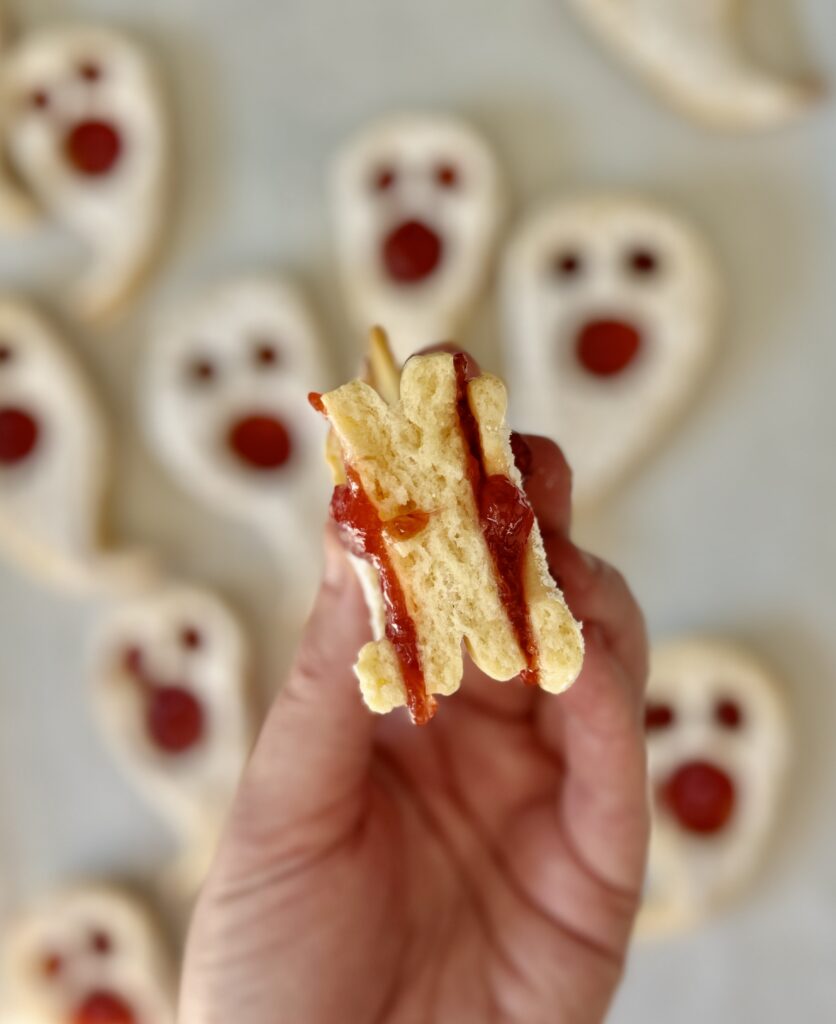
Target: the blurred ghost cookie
(417, 202)
(169, 685)
(428, 492)
(89, 955)
(718, 745)
(85, 134)
(610, 307)
(53, 459)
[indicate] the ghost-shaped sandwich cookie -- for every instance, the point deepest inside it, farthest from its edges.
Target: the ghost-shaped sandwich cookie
(226, 411)
(418, 202)
(53, 460)
(718, 748)
(610, 306)
(169, 686)
(89, 955)
(84, 129)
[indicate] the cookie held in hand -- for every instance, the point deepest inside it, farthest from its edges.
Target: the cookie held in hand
(430, 495)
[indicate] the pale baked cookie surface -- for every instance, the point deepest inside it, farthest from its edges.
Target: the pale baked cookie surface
(433, 499)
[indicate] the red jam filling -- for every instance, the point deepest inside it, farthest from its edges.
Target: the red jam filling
(607, 347)
(103, 1008)
(93, 147)
(407, 525)
(355, 513)
(19, 434)
(507, 519)
(700, 796)
(174, 718)
(261, 442)
(412, 252)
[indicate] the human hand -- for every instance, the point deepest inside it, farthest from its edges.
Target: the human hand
(484, 868)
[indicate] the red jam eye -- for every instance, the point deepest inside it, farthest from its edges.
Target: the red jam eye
(101, 943)
(51, 965)
(190, 638)
(6, 353)
(132, 660)
(266, 354)
(643, 262)
(39, 99)
(728, 714)
(658, 716)
(447, 175)
(90, 71)
(384, 179)
(201, 370)
(566, 264)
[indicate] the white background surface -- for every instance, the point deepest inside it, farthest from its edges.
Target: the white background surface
(729, 528)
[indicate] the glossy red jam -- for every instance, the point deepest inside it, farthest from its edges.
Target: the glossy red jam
(412, 252)
(174, 719)
(104, 1008)
(361, 525)
(607, 347)
(93, 148)
(19, 434)
(407, 525)
(700, 796)
(658, 716)
(261, 442)
(507, 519)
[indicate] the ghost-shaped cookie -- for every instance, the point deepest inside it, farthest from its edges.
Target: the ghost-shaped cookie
(53, 459)
(610, 310)
(89, 955)
(225, 406)
(718, 748)
(86, 142)
(169, 686)
(417, 202)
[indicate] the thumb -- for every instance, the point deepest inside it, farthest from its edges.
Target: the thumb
(312, 756)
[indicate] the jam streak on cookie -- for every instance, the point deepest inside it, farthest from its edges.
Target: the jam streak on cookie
(506, 518)
(355, 513)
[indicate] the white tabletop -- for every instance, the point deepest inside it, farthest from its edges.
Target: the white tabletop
(729, 528)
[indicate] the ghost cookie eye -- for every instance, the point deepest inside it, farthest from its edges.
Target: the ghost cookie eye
(642, 262)
(447, 175)
(565, 265)
(37, 99)
(201, 370)
(658, 716)
(90, 71)
(384, 178)
(7, 354)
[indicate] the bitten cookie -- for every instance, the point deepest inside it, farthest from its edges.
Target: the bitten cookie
(433, 499)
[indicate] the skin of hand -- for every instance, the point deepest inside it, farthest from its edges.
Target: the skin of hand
(483, 868)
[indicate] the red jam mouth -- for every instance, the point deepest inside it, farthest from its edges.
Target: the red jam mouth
(174, 719)
(104, 1008)
(412, 252)
(19, 435)
(260, 441)
(93, 148)
(606, 348)
(700, 796)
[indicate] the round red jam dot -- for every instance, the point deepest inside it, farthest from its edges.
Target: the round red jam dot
(52, 965)
(266, 354)
(19, 434)
(607, 347)
(447, 175)
(190, 638)
(174, 719)
(6, 353)
(728, 714)
(90, 71)
(567, 264)
(411, 252)
(101, 943)
(132, 661)
(384, 179)
(103, 1008)
(39, 99)
(261, 442)
(700, 796)
(93, 147)
(202, 370)
(658, 716)
(643, 262)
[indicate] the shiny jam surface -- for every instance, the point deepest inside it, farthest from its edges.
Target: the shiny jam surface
(606, 348)
(93, 148)
(507, 519)
(407, 525)
(411, 252)
(104, 1008)
(363, 530)
(174, 719)
(261, 442)
(19, 434)
(700, 796)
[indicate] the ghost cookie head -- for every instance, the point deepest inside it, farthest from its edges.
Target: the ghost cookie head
(169, 686)
(85, 136)
(88, 956)
(610, 306)
(718, 747)
(225, 400)
(417, 202)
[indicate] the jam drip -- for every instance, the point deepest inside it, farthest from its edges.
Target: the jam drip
(354, 512)
(506, 518)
